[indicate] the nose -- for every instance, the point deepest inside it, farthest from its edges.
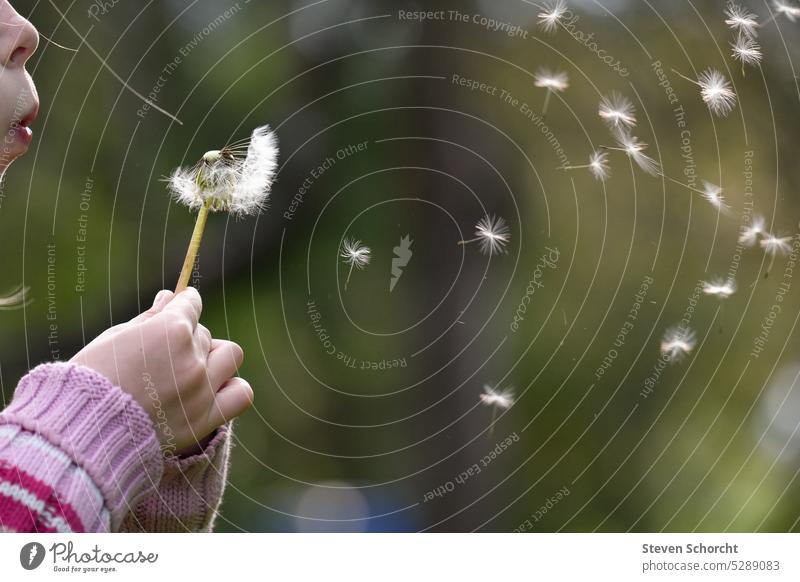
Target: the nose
(18, 38)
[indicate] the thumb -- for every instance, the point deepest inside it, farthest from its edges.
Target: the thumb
(161, 300)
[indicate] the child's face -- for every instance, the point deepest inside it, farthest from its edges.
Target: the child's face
(19, 102)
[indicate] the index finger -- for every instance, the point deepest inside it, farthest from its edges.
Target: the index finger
(188, 304)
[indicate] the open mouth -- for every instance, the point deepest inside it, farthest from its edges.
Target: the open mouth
(22, 127)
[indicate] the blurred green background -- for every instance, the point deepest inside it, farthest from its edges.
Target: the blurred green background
(712, 445)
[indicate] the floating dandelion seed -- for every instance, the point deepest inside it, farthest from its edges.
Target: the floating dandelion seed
(498, 400)
(785, 8)
(741, 20)
(493, 234)
(635, 150)
(553, 81)
(774, 246)
(678, 342)
(551, 15)
(750, 234)
(747, 51)
(715, 91)
(713, 194)
(598, 166)
(236, 179)
(719, 288)
(15, 299)
(356, 255)
(618, 111)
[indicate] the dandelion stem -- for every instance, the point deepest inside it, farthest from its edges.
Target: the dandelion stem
(679, 183)
(347, 282)
(546, 103)
(583, 167)
(687, 78)
(194, 247)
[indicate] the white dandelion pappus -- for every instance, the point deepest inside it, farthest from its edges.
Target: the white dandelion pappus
(493, 235)
(747, 51)
(598, 165)
(356, 255)
(617, 111)
(716, 91)
(741, 20)
(635, 148)
(232, 180)
(499, 398)
(719, 288)
(750, 234)
(15, 299)
(551, 15)
(553, 81)
(774, 245)
(713, 194)
(678, 342)
(787, 9)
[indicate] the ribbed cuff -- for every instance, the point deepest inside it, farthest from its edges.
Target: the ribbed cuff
(101, 427)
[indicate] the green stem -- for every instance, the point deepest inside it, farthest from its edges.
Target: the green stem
(194, 247)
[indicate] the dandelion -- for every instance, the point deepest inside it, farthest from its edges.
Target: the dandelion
(741, 20)
(598, 165)
(493, 234)
(719, 288)
(553, 81)
(635, 150)
(356, 255)
(678, 342)
(498, 400)
(551, 15)
(786, 8)
(236, 179)
(774, 246)
(747, 51)
(715, 91)
(750, 234)
(15, 299)
(713, 194)
(618, 111)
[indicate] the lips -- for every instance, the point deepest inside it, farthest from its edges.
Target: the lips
(22, 127)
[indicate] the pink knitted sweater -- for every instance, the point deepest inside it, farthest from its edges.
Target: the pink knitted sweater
(77, 454)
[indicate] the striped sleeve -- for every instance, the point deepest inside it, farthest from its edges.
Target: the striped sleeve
(76, 453)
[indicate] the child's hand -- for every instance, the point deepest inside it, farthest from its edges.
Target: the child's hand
(170, 364)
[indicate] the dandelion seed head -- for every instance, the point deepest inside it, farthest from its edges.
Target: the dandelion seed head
(635, 150)
(750, 234)
(552, 80)
(719, 288)
(227, 180)
(774, 245)
(716, 91)
(498, 398)
(678, 342)
(355, 254)
(493, 234)
(15, 299)
(747, 51)
(741, 20)
(551, 15)
(598, 165)
(617, 110)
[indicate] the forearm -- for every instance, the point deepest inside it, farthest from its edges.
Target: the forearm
(76, 453)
